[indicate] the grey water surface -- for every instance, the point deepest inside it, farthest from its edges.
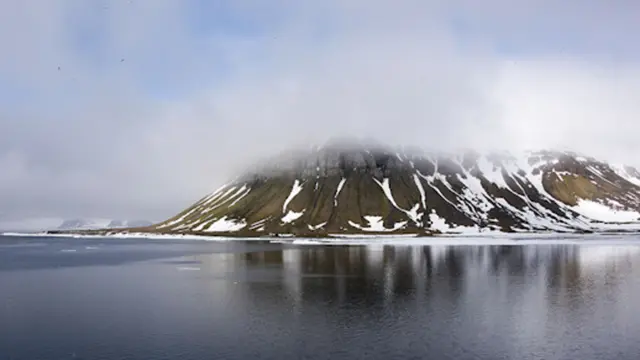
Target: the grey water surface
(178, 299)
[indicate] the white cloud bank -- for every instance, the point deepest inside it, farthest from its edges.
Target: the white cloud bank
(144, 137)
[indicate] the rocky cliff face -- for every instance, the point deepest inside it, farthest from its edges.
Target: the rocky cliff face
(358, 189)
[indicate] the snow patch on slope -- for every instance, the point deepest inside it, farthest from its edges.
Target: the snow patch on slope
(258, 224)
(244, 190)
(601, 212)
(223, 224)
(317, 227)
(386, 188)
(214, 194)
(423, 197)
(295, 190)
(291, 216)
(376, 224)
(340, 185)
(491, 172)
(621, 171)
(439, 224)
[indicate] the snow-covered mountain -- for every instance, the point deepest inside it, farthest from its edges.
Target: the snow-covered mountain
(356, 189)
(101, 224)
(44, 224)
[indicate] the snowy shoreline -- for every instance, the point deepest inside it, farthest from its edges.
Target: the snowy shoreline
(604, 238)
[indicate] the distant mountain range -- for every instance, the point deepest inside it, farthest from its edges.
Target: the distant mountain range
(45, 224)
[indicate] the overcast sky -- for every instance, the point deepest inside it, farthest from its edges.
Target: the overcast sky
(155, 103)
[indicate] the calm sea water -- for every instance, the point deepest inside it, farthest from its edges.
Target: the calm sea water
(151, 299)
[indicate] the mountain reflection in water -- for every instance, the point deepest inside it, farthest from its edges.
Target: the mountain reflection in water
(387, 272)
(278, 301)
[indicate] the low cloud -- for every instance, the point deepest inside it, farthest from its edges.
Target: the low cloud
(156, 106)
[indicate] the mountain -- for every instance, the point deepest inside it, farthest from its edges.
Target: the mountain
(348, 188)
(45, 224)
(342, 188)
(101, 224)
